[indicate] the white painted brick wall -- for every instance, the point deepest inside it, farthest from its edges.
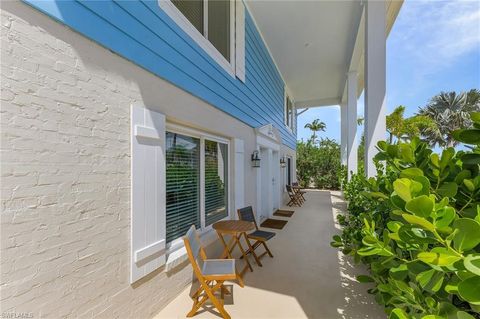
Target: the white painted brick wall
(65, 179)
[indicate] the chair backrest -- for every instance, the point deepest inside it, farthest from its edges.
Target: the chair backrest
(289, 189)
(194, 248)
(246, 214)
(192, 243)
(294, 183)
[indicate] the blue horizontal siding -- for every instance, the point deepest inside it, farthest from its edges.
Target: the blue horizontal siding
(144, 34)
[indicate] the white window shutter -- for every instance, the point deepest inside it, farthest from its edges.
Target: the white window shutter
(147, 192)
(240, 40)
(239, 173)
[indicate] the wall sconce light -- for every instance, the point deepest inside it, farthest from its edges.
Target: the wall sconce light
(283, 163)
(255, 159)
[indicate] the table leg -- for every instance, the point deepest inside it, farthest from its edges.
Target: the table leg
(243, 253)
(227, 250)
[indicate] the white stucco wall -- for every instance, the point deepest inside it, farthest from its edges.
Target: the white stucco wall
(65, 165)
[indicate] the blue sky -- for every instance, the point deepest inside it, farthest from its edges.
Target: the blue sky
(434, 46)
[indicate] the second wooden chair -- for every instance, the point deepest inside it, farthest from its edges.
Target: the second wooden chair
(260, 236)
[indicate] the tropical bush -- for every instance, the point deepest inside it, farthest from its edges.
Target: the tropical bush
(318, 164)
(417, 227)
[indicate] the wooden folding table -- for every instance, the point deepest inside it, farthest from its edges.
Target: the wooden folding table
(236, 229)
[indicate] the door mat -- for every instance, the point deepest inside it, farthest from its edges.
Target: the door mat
(283, 213)
(274, 223)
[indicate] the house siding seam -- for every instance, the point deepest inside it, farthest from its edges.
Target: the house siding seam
(143, 33)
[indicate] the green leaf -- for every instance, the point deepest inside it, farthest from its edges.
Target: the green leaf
(363, 278)
(392, 150)
(421, 206)
(438, 258)
(432, 317)
(447, 155)
(444, 217)
(368, 251)
(448, 189)
(451, 287)
(472, 263)
(394, 226)
(336, 244)
(475, 117)
(422, 222)
(411, 172)
(398, 313)
(447, 310)
(469, 184)
(469, 290)
(378, 195)
(382, 145)
(400, 272)
(467, 136)
(468, 235)
(425, 184)
(435, 160)
(413, 235)
(430, 280)
(397, 201)
(402, 188)
(464, 315)
(471, 159)
(405, 152)
(462, 175)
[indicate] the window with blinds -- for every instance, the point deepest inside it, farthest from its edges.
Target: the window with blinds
(216, 174)
(182, 183)
(185, 191)
(214, 24)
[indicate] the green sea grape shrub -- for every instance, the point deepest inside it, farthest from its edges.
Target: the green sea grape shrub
(417, 227)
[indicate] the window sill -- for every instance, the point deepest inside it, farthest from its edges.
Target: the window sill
(178, 255)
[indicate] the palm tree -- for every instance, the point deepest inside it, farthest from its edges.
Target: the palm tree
(450, 111)
(315, 127)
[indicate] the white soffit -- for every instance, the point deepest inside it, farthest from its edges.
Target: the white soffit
(312, 43)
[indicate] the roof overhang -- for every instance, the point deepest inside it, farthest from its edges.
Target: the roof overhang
(315, 44)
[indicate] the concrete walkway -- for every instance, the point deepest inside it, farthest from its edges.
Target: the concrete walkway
(305, 279)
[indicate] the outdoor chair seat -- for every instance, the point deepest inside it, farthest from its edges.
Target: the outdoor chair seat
(219, 267)
(261, 235)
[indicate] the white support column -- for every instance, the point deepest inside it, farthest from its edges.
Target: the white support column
(375, 78)
(352, 145)
(343, 133)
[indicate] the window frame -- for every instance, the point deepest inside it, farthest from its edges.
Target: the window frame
(289, 120)
(176, 15)
(202, 136)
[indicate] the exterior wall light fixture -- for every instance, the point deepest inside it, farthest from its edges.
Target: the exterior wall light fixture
(283, 163)
(255, 159)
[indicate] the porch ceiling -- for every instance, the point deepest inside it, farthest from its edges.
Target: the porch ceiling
(313, 44)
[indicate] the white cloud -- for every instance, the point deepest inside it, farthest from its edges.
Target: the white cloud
(437, 33)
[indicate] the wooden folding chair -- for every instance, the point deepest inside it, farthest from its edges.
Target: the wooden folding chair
(260, 236)
(295, 199)
(298, 191)
(211, 274)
